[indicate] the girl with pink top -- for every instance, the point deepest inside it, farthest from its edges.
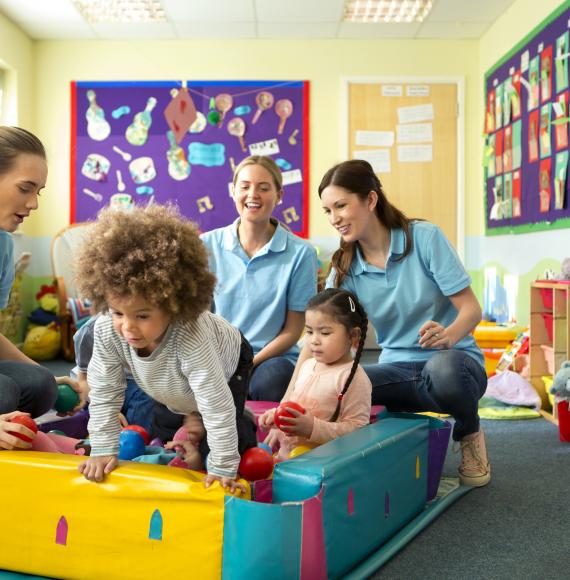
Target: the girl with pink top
(331, 386)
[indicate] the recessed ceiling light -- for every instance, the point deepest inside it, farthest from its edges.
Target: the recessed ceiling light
(121, 11)
(386, 10)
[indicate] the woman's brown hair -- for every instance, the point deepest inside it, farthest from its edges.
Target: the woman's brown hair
(15, 141)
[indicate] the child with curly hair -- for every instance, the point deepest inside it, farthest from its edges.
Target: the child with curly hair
(331, 386)
(146, 271)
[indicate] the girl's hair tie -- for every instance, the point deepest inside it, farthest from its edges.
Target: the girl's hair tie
(352, 304)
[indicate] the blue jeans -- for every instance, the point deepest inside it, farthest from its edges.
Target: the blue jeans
(26, 387)
(449, 382)
(270, 379)
(138, 406)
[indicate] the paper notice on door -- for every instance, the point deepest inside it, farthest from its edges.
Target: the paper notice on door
(392, 90)
(415, 153)
(417, 91)
(378, 158)
(415, 114)
(375, 138)
(415, 133)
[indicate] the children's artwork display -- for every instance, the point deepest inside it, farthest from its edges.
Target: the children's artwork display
(526, 132)
(179, 142)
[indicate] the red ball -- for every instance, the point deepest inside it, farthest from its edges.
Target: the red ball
(255, 464)
(26, 421)
(140, 430)
(282, 412)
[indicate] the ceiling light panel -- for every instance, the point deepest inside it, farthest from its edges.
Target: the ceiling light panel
(386, 10)
(120, 11)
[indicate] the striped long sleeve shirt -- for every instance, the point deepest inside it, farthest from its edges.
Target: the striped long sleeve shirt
(189, 371)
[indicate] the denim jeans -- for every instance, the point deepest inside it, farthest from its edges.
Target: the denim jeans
(138, 406)
(26, 387)
(449, 382)
(270, 379)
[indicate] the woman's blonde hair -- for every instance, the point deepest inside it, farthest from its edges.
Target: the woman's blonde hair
(154, 253)
(266, 163)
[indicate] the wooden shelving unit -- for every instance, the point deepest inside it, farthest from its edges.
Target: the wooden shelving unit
(549, 334)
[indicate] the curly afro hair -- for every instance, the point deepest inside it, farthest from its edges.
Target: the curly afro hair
(154, 253)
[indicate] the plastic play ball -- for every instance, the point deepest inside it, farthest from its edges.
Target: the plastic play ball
(265, 447)
(67, 399)
(26, 421)
(214, 117)
(131, 445)
(157, 442)
(255, 464)
(282, 412)
(56, 432)
(299, 450)
(143, 432)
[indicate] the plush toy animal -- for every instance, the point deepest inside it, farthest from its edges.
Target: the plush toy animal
(561, 383)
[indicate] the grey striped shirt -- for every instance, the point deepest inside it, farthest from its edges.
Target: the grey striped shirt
(189, 371)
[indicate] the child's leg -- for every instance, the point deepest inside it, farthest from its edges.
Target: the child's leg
(138, 406)
(165, 423)
(239, 386)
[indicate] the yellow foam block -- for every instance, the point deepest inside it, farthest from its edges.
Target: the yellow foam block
(487, 336)
(57, 523)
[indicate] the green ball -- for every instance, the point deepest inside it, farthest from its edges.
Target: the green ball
(214, 117)
(67, 398)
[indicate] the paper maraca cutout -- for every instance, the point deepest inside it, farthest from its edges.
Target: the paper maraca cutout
(264, 101)
(236, 127)
(224, 103)
(284, 109)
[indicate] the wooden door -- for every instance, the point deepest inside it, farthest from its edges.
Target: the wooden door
(425, 190)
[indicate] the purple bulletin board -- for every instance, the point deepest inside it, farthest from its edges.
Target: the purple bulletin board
(124, 151)
(526, 132)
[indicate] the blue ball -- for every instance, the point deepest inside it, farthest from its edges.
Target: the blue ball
(131, 445)
(265, 447)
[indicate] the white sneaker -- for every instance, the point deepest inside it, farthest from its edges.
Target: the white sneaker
(474, 468)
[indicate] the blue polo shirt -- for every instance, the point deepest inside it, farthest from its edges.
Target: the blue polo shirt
(255, 293)
(407, 293)
(6, 267)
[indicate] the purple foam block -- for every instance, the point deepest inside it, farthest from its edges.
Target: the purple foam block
(438, 442)
(74, 426)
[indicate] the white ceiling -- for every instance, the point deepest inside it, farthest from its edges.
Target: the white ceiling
(59, 19)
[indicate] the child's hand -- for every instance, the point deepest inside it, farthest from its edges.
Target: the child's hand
(188, 451)
(301, 424)
(231, 484)
(95, 468)
(267, 419)
(195, 427)
(272, 438)
(9, 441)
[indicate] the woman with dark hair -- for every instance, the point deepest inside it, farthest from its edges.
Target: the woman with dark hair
(418, 297)
(25, 387)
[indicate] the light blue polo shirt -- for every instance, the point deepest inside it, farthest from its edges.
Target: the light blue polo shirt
(402, 297)
(255, 294)
(6, 267)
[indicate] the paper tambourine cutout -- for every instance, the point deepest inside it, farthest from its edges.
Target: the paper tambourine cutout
(96, 167)
(284, 109)
(264, 101)
(121, 201)
(142, 169)
(236, 127)
(199, 124)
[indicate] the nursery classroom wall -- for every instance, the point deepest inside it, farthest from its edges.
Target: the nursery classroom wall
(40, 73)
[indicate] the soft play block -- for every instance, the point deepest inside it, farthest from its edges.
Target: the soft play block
(144, 521)
(331, 506)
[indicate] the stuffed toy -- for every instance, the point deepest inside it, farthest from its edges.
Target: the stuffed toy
(42, 342)
(564, 270)
(561, 383)
(47, 312)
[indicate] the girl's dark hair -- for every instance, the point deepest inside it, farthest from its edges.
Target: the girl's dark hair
(358, 177)
(343, 306)
(13, 142)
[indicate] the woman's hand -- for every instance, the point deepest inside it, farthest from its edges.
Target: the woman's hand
(95, 468)
(80, 387)
(301, 424)
(267, 419)
(231, 484)
(9, 441)
(434, 335)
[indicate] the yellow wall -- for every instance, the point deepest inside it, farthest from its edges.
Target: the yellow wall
(16, 58)
(322, 62)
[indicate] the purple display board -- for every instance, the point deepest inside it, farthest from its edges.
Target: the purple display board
(526, 132)
(125, 151)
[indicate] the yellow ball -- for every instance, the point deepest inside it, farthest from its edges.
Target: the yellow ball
(296, 451)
